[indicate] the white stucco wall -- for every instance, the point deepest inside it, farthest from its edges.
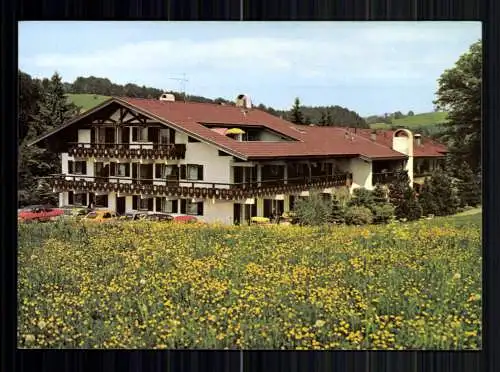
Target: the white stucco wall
(361, 173)
(405, 145)
(216, 168)
(221, 211)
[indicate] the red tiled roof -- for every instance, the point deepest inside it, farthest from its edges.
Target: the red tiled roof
(309, 141)
(427, 147)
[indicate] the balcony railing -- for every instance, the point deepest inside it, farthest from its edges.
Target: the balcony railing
(196, 189)
(383, 178)
(148, 150)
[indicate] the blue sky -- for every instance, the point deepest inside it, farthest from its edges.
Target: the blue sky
(369, 67)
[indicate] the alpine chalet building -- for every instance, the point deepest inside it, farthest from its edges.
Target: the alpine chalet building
(220, 163)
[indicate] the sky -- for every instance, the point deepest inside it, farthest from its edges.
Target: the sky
(368, 67)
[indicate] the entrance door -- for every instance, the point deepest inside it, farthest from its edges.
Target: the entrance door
(120, 205)
(237, 213)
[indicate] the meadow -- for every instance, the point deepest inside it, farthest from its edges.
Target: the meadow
(162, 285)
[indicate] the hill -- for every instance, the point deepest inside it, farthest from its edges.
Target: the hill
(86, 101)
(429, 122)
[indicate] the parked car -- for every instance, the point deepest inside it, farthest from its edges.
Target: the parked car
(77, 212)
(161, 217)
(133, 216)
(185, 219)
(38, 213)
(101, 216)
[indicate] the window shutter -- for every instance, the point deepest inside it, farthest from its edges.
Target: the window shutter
(70, 167)
(134, 202)
(84, 167)
(127, 170)
(200, 172)
(183, 206)
(158, 170)
(175, 206)
(172, 135)
(158, 204)
(112, 169)
(135, 131)
(134, 170)
(92, 135)
(183, 172)
(70, 197)
(200, 209)
(150, 204)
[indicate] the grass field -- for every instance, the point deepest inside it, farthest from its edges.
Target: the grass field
(150, 285)
(430, 120)
(86, 101)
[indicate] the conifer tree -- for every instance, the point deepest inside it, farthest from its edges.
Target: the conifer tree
(296, 115)
(404, 198)
(469, 189)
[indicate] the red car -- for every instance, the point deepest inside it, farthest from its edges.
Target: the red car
(39, 213)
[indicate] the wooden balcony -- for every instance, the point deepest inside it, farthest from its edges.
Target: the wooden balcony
(127, 150)
(383, 178)
(196, 189)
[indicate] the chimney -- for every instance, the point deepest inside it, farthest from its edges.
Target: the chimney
(373, 136)
(418, 139)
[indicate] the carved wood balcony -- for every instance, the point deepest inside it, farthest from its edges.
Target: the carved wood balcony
(127, 150)
(383, 178)
(196, 189)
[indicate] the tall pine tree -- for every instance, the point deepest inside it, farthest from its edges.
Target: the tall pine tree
(296, 115)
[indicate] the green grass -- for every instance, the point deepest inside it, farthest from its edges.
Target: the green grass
(420, 120)
(431, 121)
(86, 101)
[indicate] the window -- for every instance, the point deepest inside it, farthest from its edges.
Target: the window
(77, 167)
(192, 172)
(139, 134)
(164, 171)
(166, 206)
(101, 201)
(80, 199)
(123, 170)
(142, 204)
(167, 136)
(191, 208)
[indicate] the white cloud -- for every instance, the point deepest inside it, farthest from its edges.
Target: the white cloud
(384, 53)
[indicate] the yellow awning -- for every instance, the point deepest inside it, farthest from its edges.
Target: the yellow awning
(235, 131)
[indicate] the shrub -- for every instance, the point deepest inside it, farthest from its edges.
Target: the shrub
(338, 211)
(358, 216)
(361, 197)
(382, 213)
(314, 210)
(438, 196)
(404, 198)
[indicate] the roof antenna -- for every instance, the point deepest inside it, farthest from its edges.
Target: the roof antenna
(183, 81)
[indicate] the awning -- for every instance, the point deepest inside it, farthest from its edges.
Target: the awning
(235, 131)
(221, 131)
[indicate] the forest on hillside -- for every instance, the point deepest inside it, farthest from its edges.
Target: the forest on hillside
(333, 115)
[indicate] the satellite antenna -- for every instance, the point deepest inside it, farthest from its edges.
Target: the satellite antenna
(183, 81)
